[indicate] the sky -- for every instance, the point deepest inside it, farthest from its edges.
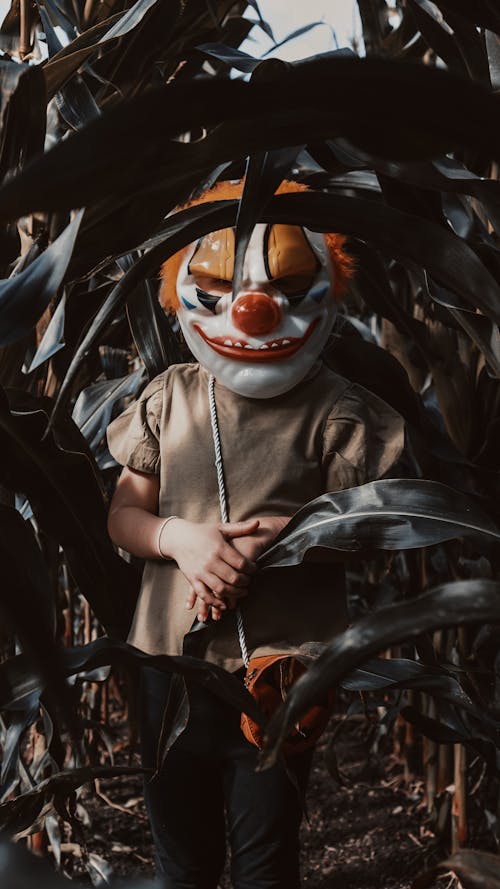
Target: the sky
(338, 22)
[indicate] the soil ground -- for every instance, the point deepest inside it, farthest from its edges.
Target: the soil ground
(368, 831)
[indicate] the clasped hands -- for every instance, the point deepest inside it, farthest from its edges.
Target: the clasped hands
(218, 559)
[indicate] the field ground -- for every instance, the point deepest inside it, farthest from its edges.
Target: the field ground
(370, 831)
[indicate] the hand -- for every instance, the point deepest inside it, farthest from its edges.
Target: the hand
(253, 545)
(249, 545)
(208, 559)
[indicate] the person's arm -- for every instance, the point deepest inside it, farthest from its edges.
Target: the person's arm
(133, 522)
(204, 552)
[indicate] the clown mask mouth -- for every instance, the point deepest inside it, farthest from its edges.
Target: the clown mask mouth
(238, 349)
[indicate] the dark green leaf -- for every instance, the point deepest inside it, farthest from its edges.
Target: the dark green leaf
(377, 370)
(19, 720)
(484, 334)
(374, 284)
(51, 38)
(57, 474)
(242, 61)
(17, 679)
(444, 297)
(384, 514)
(81, 305)
(395, 673)
(21, 814)
(53, 338)
(471, 43)
(438, 34)
(264, 172)
(401, 235)
(482, 14)
(266, 27)
(493, 50)
(76, 104)
(24, 298)
(22, 114)
(450, 605)
(172, 239)
(25, 575)
(62, 66)
(442, 174)
(94, 406)
(27, 601)
(435, 680)
(65, 14)
(437, 730)
(430, 112)
(151, 329)
(174, 719)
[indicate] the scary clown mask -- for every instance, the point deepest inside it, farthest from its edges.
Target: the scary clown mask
(264, 340)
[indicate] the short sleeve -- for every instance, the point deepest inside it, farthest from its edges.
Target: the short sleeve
(363, 438)
(134, 437)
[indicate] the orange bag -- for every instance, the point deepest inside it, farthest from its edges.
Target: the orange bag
(268, 679)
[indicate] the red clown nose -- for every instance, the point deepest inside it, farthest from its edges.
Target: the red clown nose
(255, 313)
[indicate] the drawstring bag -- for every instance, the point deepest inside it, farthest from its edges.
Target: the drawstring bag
(268, 678)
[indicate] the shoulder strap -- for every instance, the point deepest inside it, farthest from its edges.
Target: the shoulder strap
(223, 501)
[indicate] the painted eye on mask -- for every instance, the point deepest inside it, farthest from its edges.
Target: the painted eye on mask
(209, 290)
(207, 300)
(295, 287)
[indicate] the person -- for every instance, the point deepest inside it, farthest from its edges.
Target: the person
(289, 430)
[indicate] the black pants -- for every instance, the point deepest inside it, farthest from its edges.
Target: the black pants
(210, 771)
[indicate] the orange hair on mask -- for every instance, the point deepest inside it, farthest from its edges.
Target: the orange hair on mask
(342, 263)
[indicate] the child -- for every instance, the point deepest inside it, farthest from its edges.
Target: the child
(290, 429)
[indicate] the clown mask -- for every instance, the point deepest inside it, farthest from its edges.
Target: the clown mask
(263, 340)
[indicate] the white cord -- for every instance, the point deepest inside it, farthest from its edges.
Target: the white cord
(218, 452)
(223, 502)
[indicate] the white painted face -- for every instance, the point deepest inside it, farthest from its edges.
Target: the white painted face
(265, 341)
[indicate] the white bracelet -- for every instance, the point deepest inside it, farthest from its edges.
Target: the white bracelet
(158, 539)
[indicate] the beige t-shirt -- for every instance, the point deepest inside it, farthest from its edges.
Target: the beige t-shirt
(326, 434)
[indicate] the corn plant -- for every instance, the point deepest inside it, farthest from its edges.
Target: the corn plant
(114, 115)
